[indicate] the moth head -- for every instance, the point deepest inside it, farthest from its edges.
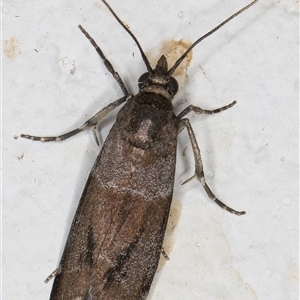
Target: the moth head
(158, 81)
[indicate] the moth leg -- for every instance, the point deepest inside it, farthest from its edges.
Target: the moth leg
(91, 123)
(53, 274)
(199, 110)
(199, 173)
(106, 62)
(164, 254)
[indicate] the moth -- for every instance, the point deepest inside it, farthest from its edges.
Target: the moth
(115, 241)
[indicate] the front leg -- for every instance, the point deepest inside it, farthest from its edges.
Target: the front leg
(199, 173)
(106, 62)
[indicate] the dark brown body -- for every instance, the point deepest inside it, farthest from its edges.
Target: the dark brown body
(115, 241)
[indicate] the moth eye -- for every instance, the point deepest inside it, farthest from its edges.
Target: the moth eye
(172, 86)
(144, 80)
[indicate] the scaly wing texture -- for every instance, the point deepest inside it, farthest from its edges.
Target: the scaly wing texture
(114, 244)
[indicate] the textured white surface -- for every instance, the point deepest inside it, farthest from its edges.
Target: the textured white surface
(54, 81)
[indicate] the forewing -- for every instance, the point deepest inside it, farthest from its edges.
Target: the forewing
(115, 241)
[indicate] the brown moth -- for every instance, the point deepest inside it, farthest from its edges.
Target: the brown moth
(116, 237)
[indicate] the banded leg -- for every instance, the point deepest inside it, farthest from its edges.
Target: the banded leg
(53, 274)
(91, 123)
(106, 62)
(164, 254)
(199, 173)
(199, 110)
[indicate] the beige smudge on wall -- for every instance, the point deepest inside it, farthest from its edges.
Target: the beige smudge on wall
(11, 48)
(172, 50)
(170, 236)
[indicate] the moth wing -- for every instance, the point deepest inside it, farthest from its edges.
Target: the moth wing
(115, 240)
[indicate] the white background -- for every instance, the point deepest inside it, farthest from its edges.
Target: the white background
(54, 81)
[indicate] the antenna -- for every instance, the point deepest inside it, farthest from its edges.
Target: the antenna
(145, 59)
(178, 62)
(180, 59)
